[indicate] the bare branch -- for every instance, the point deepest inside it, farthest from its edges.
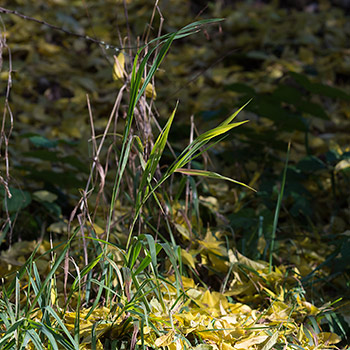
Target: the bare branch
(52, 26)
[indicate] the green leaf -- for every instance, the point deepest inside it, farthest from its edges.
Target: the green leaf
(133, 254)
(326, 90)
(44, 196)
(156, 152)
(287, 94)
(318, 88)
(51, 336)
(189, 152)
(41, 141)
(59, 321)
(311, 164)
(210, 174)
(19, 200)
(313, 109)
(278, 208)
(233, 116)
(147, 260)
(35, 339)
(52, 271)
(86, 270)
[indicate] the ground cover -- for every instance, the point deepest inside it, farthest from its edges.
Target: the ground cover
(121, 232)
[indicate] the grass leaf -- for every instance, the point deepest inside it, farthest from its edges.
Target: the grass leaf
(210, 174)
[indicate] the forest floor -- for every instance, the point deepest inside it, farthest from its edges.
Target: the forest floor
(142, 208)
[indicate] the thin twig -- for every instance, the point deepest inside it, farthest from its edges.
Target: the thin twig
(81, 220)
(52, 26)
(94, 154)
(127, 26)
(151, 21)
(5, 136)
(102, 47)
(187, 200)
(115, 108)
(150, 106)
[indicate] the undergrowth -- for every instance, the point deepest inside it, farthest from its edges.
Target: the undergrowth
(135, 266)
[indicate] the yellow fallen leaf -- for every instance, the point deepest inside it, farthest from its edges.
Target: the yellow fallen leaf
(328, 338)
(188, 259)
(271, 341)
(279, 311)
(85, 346)
(238, 288)
(98, 230)
(165, 339)
(210, 202)
(53, 292)
(312, 309)
(203, 347)
(306, 55)
(218, 264)
(99, 345)
(47, 49)
(176, 345)
(238, 257)
(301, 333)
(261, 244)
(225, 346)
(343, 164)
(58, 227)
(183, 231)
(212, 244)
(194, 293)
(208, 300)
(157, 307)
(247, 342)
(186, 281)
(45, 196)
(210, 336)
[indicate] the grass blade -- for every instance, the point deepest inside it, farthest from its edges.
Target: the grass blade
(51, 273)
(234, 115)
(187, 155)
(50, 336)
(86, 270)
(35, 339)
(278, 207)
(210, 174)
(51, 311)
(156, 152)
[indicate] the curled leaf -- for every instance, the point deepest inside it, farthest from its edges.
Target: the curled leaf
(150, 90)
(118, 68)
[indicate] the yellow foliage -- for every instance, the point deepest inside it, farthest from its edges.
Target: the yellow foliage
(188, 259)
(204, 314)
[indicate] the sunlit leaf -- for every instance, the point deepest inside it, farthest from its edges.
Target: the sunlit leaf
(211, 175)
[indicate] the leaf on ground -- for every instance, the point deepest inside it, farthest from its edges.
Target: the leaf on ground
(188, 259)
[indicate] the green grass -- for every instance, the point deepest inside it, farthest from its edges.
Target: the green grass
(31, 314)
